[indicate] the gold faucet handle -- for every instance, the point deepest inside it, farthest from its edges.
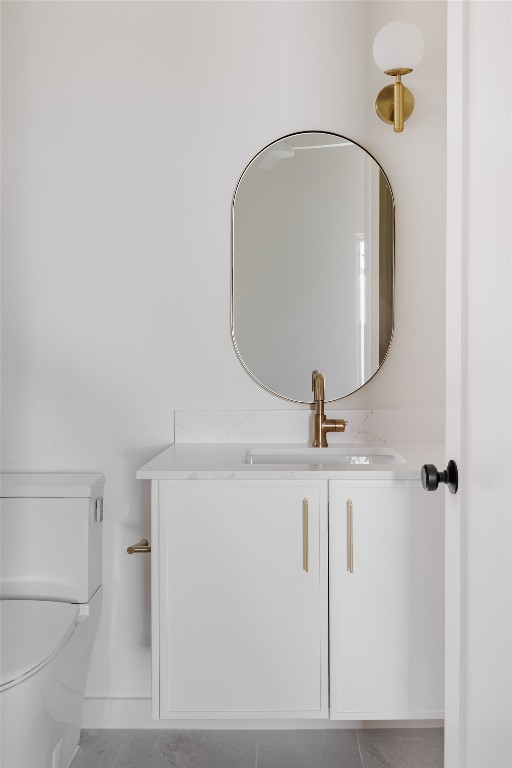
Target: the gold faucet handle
(334, 425)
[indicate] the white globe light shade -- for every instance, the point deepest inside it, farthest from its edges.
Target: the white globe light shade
(398, 45)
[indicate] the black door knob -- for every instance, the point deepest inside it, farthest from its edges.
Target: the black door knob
(430, 477)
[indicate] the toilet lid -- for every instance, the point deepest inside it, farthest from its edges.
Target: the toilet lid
(31, 632)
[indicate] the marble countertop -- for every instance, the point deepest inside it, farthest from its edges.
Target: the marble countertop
(210, 461)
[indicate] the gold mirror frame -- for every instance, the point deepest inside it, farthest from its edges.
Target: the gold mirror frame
(386, 234)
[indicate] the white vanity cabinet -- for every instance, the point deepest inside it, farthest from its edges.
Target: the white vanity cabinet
(242, 626)
(386, 617)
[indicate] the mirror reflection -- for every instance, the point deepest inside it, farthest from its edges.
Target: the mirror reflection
(312, 266)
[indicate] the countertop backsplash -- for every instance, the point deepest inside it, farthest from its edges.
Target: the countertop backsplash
(373, 427)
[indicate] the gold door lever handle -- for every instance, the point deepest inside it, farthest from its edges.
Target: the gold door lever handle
(141, 546)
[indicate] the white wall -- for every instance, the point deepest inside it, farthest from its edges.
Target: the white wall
(125, 127)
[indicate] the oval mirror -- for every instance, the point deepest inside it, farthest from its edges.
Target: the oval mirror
(312, 266)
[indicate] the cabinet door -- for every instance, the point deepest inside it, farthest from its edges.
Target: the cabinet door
(243, 625)
(387, 615)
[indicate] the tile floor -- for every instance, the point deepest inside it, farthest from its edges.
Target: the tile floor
(376, 748)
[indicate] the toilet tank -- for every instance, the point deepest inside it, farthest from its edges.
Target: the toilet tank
(51, 531)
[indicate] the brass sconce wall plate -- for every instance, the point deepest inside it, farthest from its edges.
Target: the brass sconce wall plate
(385, 104)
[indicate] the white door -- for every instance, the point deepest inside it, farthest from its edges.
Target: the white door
(243, 617)
(386, 587)
(479, 387)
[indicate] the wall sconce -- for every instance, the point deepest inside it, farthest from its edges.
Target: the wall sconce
(397, 50)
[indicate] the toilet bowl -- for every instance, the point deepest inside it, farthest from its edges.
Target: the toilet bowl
(49, 613)
(45, 653)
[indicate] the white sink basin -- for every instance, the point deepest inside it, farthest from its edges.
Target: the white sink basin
(353, 454)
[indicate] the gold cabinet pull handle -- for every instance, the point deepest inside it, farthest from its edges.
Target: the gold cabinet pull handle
(141, 546)
(305, 535)
(350, 536)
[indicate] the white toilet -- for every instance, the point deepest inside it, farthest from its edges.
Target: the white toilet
(50, 588)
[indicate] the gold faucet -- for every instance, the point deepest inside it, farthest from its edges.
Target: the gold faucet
(323, 425)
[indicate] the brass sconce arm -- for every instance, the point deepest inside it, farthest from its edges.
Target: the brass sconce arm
(395, 103)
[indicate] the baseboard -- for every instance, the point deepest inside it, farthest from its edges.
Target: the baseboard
(136, 713)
